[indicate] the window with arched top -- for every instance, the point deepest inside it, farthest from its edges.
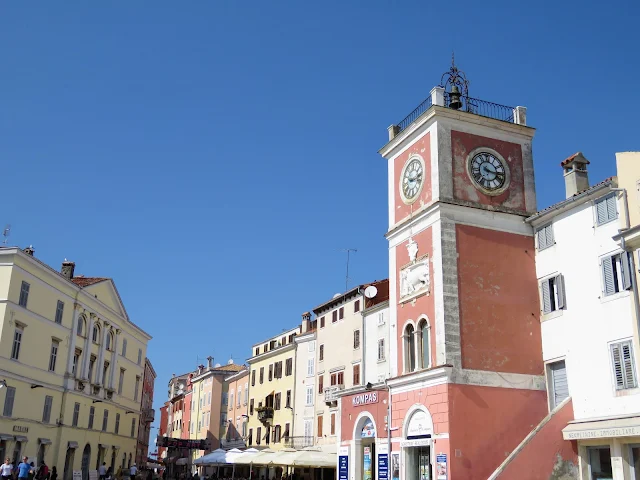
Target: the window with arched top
(96, 333)
(109, 341)
(424, 347)
(409, 349)
(81, 323)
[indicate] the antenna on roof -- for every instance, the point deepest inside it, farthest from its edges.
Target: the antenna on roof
(346, 279)
(5, 233)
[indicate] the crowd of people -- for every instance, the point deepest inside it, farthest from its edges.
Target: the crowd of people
(28, 471)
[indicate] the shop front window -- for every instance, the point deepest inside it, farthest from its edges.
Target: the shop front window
(600, 463)
(635, 461)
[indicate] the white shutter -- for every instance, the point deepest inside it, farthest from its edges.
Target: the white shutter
(545, 237)
(601, 211)
(623, 368)
(608, 276)
(625, 267)
(546, 297)
(559, 281)
(559, 382)
(628, 367)
(612, 212)
(308, 426)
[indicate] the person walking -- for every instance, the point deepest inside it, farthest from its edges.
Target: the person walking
(24, 469)
(54, 474)
(6, 469)
(132, 472)
(102, 471)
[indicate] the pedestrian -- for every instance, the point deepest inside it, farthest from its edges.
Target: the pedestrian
(132, 472)
(109, 473)
(43, 471)
(24, 469)
(6, 469)
(54, 473)
(32, 472)
(102, 471)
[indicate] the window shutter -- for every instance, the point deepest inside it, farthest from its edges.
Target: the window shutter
(625, 265)
(560, 288)
(601, 211)
(545, 237)
(627, 366)
(612, 211)
(559, 382)
(8, 401)
(608, 276)
(546, 297)
(617, 366)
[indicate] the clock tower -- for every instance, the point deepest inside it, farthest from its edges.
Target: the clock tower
(469, 382)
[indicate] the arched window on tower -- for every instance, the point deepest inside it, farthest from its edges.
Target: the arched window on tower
(109, 341)
(409, 349)
(424, 348)
(96, 333)
(80, 329)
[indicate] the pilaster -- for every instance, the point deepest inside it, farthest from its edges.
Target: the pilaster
(87, 348)
(114, 359)
(103, 346)
(72, 339)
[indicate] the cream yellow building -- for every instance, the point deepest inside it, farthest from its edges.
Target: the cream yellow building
(271, 390)
(71, 367)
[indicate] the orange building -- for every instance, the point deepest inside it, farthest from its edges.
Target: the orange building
(236, 411)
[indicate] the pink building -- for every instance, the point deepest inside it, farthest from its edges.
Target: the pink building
(235, 410)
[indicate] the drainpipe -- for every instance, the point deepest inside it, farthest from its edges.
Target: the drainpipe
(623, 245)
(386, 385)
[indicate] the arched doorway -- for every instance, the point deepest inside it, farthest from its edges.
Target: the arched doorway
(86, 459)
(418, 458)
(129, 464)
(364, 436)
(113, 459)
(68, 463)
(16, 453)
(40, 457)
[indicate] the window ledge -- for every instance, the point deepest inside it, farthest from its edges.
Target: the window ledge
(551, 315)
(627, 392)
(382, 360)
(610, 298)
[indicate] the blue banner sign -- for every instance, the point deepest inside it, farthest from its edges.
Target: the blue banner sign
(383, 466)
(343, 467)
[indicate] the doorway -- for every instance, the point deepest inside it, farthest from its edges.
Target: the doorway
(16, 453)
(113, 459)
(68, 463)
(368, 459)
(86, 458)
(418, 463)
(40, 457)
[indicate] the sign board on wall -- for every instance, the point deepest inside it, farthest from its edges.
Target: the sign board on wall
(93, 474)
(367, 474)
(441, 466)
(368, 430)
(419, 424)
(77, 475)
(364, 399)
(343, 463)
(420, 442)
(383, 466)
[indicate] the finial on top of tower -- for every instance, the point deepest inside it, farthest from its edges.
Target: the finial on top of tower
(455, 84)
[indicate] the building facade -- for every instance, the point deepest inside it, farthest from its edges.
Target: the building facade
(305, 375)
(73, 364)
(236, 410)
(376, 367)
(147, 413)
(272, 390)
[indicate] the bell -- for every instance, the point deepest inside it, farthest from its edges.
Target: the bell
(454, 98)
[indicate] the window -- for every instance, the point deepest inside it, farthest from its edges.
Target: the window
(553, 296)
(246, 393)
(231, 399)
(356, 374)
(320, 384)
(17, 341)
(337, 379)
(321, 355)
(288, 404)
(271, 372)
(117, 429)
(76, 415)
(96, 334)
(334, 316)
(124, 347)
(209, 399)
(600, 462)
(133, 427)
(109, 341)
(380, 318)
(121, 381)
(80, 327)
(136, 388)
(319, 425)
(244, 429)
(286, 430)
(253, 378)
(277, 433)
(223, 419)
(322, 322)
(258, 435)
(92, 412)
(24, 294)
(381, 349)
(278, 401)
(558, 385)
(59, 311)
(623, 367)
(251, 403)
(333, 423)
(239, 396)
(8, 401)
(105, 420)
(425, 345)
(309, 397)
(356, 339)
(53, 356)
(616, 273)
(92, 363)
(310, 367)
(312, 347)
(544, 235)
(278, 370)
(288, 367)
(606, 210)
(261, 375)
(356, 306)
(341, 313)
(139, 356)
(250, 440)
(46, 411)
(409, 349)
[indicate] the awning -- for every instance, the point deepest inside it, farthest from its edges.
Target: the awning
(182, 461)
(44, 441)
(103, 445)
(21, 438)
(284, 457)
(214, 458)
(72, 445)
(262, 457)
(314, 457)
(608, 428)
(6, 436)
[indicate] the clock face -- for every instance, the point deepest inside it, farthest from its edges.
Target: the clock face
(488, 172)
(412, 179)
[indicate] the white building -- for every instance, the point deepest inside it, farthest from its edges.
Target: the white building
(305, 389)
(376, 367)
(586, 291)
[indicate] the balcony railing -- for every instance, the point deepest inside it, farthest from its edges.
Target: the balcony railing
(483, 108)
(331, 393)
(298, 442)
(419, 110)
(264, 413)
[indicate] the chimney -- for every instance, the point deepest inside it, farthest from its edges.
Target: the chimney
(576, 178)
(210, 361)
(200, 368)
(29, 250)
(68, 268)
(306, 320)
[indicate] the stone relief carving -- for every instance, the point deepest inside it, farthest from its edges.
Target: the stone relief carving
(412, 249)
(415, 277)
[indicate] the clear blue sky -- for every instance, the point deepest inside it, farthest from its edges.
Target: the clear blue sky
(213, 157)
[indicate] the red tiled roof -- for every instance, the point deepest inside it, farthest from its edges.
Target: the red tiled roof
(572, 157)
(82, 281)
(231, 368)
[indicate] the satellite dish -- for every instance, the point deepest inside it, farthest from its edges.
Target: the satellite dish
(370, 291)
(337, 295)
(230, 362)
(218, 365)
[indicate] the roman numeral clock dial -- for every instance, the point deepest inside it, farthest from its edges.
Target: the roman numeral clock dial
(412, 179)
(489, 173)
